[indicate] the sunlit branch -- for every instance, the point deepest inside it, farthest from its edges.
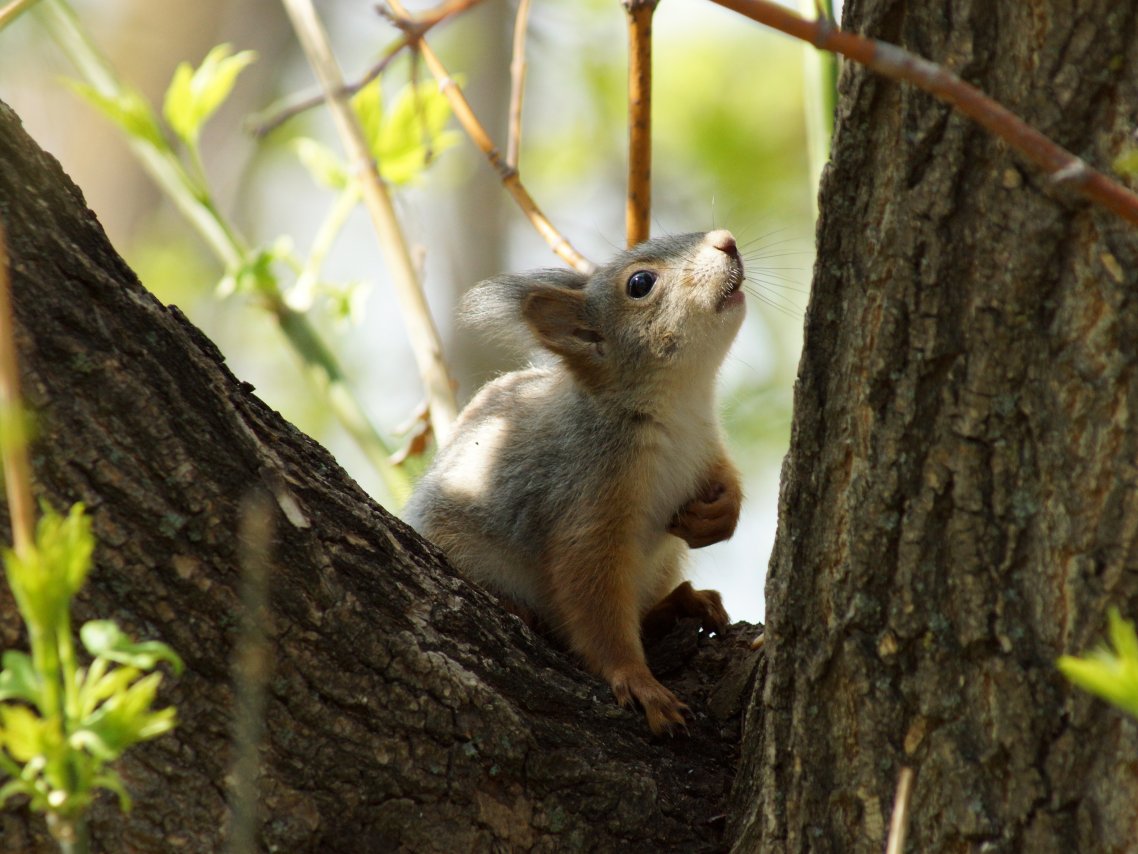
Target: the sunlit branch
(638, 208)
(517, 85)
(1062, 166)
(13, 447)
(271, 119)
(425, 341)
(474, 129)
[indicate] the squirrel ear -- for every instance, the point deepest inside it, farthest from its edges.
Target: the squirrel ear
(497, 305)
(559, 319)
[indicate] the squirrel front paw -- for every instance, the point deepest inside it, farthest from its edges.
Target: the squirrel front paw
(665, 712)
(708, 518)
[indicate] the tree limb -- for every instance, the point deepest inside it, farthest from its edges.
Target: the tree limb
(517, 85)
(1064, 168)
(13, 451)
(638, 208)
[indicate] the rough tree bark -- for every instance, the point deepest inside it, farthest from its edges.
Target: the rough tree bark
(405, 710)
(959, 504)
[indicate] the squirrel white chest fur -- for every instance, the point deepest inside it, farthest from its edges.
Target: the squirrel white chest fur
(575, 490)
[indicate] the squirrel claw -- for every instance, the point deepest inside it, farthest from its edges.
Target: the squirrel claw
(665, 712)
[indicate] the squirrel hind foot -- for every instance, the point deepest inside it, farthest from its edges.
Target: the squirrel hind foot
(665, 712)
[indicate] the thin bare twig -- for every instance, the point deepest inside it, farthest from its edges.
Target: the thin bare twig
(425, 341)
(265, 123)
(899, 824)
(886, 59)
(13, 10)
(13, 445)
(474, 129)
(638, 208)
(517, 85)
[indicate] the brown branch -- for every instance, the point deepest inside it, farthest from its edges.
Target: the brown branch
(13, 10)
(517, 85)
(899, 823)
(425, 342)
(477, 133)
(260, 127)
(638, 208)
(13, 446)
(886, 59)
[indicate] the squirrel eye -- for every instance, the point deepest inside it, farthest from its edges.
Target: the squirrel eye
(640, 283)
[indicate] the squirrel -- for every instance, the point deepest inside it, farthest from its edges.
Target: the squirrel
(574, 491)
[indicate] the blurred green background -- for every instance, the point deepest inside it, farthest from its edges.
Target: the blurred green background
(729, 151)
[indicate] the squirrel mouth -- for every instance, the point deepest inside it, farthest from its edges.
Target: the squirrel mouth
(732, 290)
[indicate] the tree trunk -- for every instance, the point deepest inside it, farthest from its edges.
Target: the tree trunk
(959, 503)
(404, 710)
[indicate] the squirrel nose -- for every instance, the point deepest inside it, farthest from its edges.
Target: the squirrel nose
(723, 240)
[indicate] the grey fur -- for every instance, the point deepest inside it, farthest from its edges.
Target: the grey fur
(631, 397)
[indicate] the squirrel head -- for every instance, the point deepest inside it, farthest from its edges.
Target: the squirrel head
(665, 310)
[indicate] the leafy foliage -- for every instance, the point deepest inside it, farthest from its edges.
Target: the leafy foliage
(61, 724)
(194, 94)
(404, 139)
(1109, 672)
(128, 109)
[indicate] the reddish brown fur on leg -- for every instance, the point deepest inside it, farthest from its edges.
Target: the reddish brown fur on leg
(685, 601)
(710, 516)
(594, 597)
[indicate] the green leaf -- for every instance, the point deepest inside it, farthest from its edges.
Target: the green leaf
(127, 109)
(18, 679)
(194, 95)
(68, 543)
(1126, 163)
(346, 302)
(368, 105)
(1122, 636)
(412, 133)
(45, 577)
(1109, 674)
(322, 163)
(100, 685)
(125, 719)
(254, 275)
(104, 639)
(23, 733)
(405, 139)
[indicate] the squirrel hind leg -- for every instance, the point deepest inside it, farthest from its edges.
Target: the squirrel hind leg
(685, 601)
